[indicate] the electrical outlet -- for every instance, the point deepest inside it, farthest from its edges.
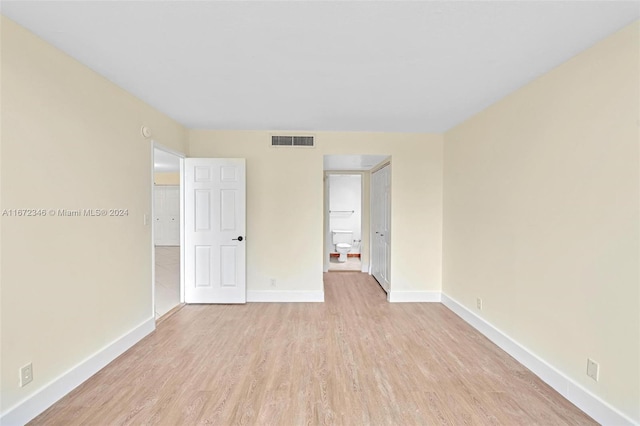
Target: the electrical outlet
(26, 375)
(479, 303)
(273, 282)
(592, 369)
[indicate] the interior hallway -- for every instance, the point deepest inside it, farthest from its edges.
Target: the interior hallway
(167, 279)
(354, 359)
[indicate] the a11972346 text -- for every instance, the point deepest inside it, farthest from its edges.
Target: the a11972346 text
(65, 212)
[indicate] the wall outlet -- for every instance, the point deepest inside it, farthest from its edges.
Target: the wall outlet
(273, 282)
(592, 369)
(479, 303)
(26, 375)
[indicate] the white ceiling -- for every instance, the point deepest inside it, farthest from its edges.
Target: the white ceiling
(352, 162)
(165, 162)
(303, 65)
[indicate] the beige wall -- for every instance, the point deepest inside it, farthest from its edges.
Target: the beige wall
(541, 198)
(285, 204)
(70, 285)
(164, 178)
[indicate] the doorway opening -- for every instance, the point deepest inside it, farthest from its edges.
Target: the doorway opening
(167, 235)
(347, 211)
(345, 221)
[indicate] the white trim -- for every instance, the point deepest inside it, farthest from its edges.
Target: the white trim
(365, 268)
(395, 296)
(48, 394)
(285, 296)
(182, 246)
(149, 222)
(591, 404)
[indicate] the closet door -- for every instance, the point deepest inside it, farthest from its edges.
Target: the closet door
(166, 222)
(172, 215)
(381, 226)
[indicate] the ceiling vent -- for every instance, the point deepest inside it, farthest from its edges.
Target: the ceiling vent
(305, 141)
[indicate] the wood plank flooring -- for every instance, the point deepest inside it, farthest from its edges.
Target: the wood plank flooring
(353, 360)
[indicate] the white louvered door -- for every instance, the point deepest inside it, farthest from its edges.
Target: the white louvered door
(381, 226)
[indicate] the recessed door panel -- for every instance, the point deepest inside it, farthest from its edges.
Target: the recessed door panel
(203, 266)
(228, 210)
(228, 174)
(228, 276)
(202, 210)
(202, 174)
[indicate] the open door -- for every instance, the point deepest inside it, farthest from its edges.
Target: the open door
(214, 234)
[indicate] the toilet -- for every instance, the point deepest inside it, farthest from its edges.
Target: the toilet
(342, 240)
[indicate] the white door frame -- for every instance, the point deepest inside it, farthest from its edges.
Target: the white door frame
(149, 220)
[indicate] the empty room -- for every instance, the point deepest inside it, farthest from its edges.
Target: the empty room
(311, 212)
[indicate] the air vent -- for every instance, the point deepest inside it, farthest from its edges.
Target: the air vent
(292, 141)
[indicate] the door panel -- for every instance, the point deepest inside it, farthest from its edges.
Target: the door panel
(202, 266)
(381, 226)
(166, 208)
(214, 220)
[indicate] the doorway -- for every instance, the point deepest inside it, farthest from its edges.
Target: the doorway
(166, 218)
(354, 164)
(345, 221)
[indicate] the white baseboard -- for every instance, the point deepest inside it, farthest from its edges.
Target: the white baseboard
(595, 407)
(365, 268)
(285, 296)
(44, 397)
(413, 296)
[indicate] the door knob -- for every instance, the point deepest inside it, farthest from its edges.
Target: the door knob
(238, 239)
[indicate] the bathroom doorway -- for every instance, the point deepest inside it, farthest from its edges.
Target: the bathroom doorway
(345, 221)
(341, 165)
(354, 164)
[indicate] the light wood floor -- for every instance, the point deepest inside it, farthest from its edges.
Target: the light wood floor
(167, 279)
(353, 360)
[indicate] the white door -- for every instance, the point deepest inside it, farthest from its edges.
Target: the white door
(158, 209)
(381, 226)
(167, 215)
(215, 247)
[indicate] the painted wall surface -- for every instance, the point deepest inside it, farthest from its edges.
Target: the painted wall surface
(70, 285)
(285, 204)
(541, 217)
(345, 200)
(165, 178)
